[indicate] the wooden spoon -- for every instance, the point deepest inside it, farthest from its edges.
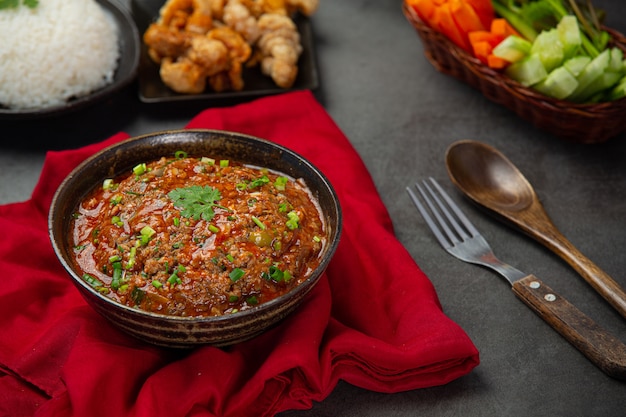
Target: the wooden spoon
(490, 179)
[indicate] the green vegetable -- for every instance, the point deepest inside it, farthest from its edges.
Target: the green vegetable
(12, 4)
(196, 201)
(293, 221)
(559, 66)
(528, 71)
(259, 182)
(512, 48)
(236, 274)
(530, 17)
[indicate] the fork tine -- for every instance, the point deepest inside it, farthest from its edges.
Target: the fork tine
(469, 227)
(458, 230)
(429, 221)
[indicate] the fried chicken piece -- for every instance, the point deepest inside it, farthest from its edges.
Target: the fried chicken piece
(174, 13)
(211, 55)
(183, 76)
(201, 19)
(228, 80)
(239, 18)
(259, 7)
(238, 48)
(165, 42)
(280, 48)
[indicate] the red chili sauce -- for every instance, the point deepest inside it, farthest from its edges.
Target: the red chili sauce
(189, 236)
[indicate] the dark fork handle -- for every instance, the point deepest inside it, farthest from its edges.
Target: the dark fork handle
(602, 348)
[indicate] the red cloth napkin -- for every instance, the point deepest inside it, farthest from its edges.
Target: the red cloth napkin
(374, 320)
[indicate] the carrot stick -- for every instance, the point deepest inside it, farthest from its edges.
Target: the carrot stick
(484, 10)
(425, 9)
(482, 50)
(449, 28)
(496, 62)
(502, 27)
(483, 35)
(465, 16)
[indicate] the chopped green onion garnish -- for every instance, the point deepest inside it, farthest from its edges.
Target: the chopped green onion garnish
(117, 275)
(233, 299)
(174, 279)
(180, 154)
(146, 233)
(131, 257)
(317, 239)
(258, 222)
(280, 183)
(259, 182)
(230, 257)
(224, 163)
(117, 221)
(107, 184)
(116, 199)
(252, 300)
(214, 228)
(206, 160)
(293, 221)
(156, 284)
(236, 274)
(93, 281)
(140, 169)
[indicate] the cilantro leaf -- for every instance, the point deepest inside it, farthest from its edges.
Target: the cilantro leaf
(196, 201)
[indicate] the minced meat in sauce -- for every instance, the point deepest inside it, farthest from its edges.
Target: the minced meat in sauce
(190, 236)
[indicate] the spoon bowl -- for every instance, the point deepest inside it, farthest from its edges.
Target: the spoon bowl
(490, 179)
(497, 185)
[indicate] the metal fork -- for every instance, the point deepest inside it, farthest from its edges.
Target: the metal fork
(459, 237)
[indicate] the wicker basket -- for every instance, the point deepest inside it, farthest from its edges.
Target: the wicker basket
(580, 123)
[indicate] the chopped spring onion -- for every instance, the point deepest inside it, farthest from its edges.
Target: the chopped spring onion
(280, 183)
(146, 233)
(224, 163)
(180, 154)
(236, 274)
(214, 228)
(294, 220)
(116, 281)
(259, 182)
(108, 184)
(93, 281)
(117, 221)
(258, 222)
(140, 169)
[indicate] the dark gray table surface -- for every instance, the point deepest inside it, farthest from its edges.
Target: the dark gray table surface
(401, 115)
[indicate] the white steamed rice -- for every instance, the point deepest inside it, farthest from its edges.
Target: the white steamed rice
(59, 50)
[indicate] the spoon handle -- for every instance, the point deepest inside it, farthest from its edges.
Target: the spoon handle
(547, 233)
(602, 348)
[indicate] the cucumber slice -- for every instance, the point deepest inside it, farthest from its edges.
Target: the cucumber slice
(618, 91)
(576, 64)
(512, 48)
(549, 48)
(605, 81)
(593, 70)
(559, 84)
(616, 63)
(528, 71)
(569, 34)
